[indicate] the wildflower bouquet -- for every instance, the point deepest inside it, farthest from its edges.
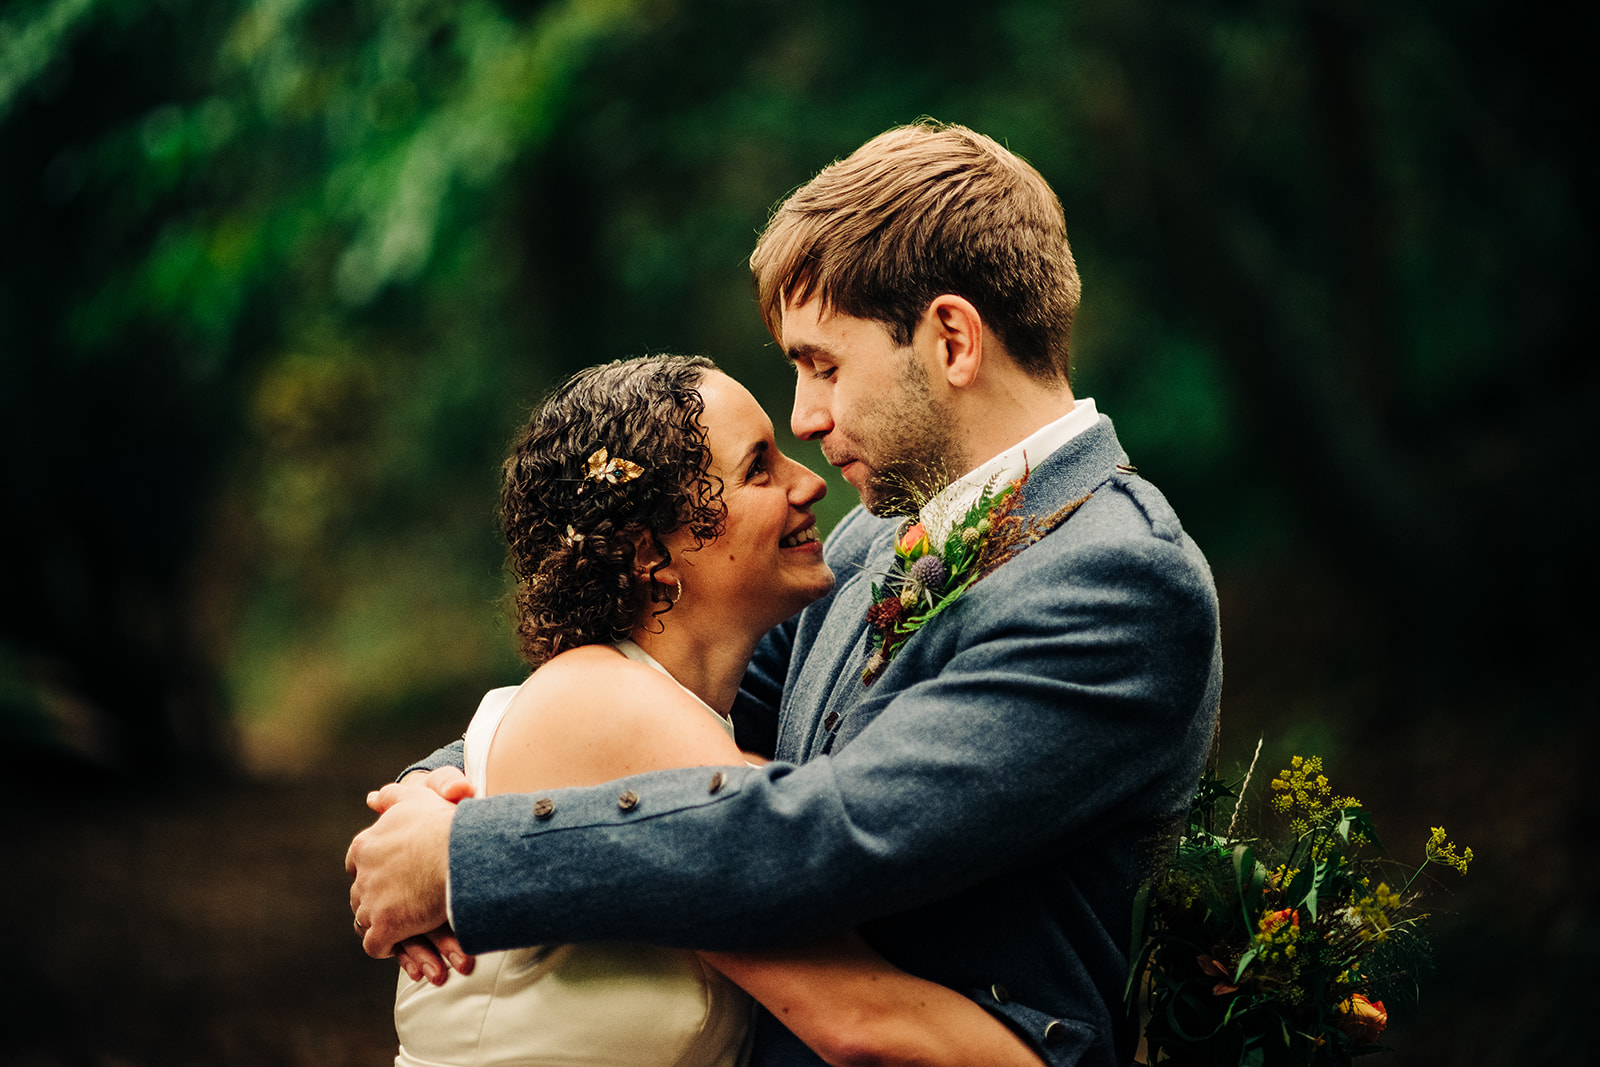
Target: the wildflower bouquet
(1268, 950)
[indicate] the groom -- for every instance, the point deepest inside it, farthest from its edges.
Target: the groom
(993, 796)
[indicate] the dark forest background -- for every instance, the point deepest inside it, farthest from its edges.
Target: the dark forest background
(278, 277)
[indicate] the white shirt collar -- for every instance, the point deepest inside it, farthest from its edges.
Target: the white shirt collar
(947, 507)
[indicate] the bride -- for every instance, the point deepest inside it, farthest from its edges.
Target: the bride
(656, 534)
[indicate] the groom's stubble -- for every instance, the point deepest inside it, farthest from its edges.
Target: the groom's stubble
(910, 439)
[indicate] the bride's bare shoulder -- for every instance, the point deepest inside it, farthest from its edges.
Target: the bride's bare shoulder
(593, 675)
(591, 714)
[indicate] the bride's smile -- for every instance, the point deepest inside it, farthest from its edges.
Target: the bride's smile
(767, 563)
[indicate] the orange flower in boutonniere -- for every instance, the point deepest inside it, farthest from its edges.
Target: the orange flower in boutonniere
(913, 542)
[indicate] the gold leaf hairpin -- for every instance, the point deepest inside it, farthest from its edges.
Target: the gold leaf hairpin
(616, 470)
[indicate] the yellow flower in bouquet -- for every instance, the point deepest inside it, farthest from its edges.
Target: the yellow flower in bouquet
(1260, 949)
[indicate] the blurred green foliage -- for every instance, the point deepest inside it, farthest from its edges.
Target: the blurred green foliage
(281, 275)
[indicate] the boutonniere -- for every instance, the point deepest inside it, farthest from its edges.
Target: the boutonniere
(926, 579)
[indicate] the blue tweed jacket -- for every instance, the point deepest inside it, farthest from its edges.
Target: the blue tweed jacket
(989, 804)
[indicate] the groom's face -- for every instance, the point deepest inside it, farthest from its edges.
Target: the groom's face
(870, 404)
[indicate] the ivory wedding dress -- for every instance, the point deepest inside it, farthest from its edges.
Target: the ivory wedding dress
(571, 1005)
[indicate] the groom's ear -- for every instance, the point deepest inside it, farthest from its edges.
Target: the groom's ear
(959, 335)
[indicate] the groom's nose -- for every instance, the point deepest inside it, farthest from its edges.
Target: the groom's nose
(810, 418)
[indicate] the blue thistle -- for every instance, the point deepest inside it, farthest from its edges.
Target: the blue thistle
(930, 573)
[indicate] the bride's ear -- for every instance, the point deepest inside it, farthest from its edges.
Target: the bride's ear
(648, 555)
(658, 581)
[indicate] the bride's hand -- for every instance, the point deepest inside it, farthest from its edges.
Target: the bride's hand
(433, 956)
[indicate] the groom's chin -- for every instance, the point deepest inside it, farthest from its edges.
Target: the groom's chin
(889, 509)
(887, 502)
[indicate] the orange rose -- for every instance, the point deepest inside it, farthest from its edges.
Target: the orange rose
(1363, 1020)
(914, 542)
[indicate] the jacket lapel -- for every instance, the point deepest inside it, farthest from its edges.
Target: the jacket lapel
(829, 673)
(825, 676)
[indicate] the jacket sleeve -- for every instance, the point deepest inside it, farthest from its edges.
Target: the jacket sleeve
(451, 755)
(1074, 690)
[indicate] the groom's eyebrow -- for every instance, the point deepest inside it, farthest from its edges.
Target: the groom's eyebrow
(803, 350)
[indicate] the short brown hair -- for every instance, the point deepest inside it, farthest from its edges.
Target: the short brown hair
(571, 531)
(919, 211)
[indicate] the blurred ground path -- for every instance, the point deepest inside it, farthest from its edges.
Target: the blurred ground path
(210, 927)
(206, 927)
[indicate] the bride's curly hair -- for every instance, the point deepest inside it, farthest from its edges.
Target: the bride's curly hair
(571, 535)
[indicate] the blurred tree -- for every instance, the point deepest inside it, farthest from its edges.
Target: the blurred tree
(281, 275)
(1377, 216)
(258, 309)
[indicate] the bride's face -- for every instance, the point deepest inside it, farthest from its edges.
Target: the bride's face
(768, 562)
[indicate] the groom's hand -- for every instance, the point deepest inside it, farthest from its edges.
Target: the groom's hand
(434, 955)
(398, 866)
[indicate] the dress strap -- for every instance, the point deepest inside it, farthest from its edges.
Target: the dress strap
(630, 648)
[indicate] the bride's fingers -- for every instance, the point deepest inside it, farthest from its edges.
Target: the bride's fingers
(444, 940)
(433, 956)
(419, 960)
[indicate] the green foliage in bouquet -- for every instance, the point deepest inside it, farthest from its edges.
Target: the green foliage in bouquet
(1275, 947)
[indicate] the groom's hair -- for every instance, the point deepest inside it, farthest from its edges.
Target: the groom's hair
(919, 211)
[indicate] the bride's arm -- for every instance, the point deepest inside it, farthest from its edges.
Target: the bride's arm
(856, 1009)
(589, 716)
